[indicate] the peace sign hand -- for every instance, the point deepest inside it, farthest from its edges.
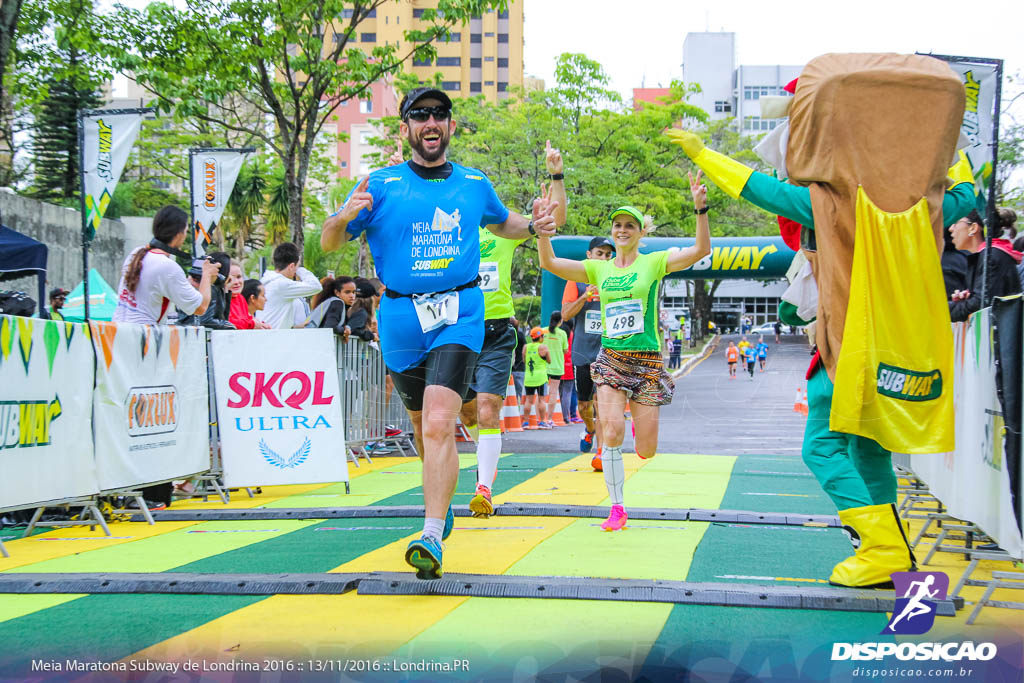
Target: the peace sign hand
(698, 189)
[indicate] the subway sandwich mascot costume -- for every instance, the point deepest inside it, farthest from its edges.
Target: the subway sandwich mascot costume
(870, 141)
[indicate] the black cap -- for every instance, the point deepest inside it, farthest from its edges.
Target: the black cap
(58, 291)
(417, 94)
(365, 289)
(601, 242)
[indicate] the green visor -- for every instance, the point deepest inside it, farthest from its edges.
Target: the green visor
(629, 211)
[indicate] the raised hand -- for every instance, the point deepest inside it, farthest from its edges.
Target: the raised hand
(698, 189)
(540, 204)
(690, 143)
(397, 157)
(544, 224)
(360, 199)
(552, 158)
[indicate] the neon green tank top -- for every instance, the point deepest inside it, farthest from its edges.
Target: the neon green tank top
(496, 274)
(536, 367)
(629, 301)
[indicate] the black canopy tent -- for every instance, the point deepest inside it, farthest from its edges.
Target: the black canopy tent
(22, 256)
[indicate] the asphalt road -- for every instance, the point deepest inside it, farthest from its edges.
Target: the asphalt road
(711, 414)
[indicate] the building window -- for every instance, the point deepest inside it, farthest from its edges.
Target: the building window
(346, 13)
(756, 92)
(502, 37)
(365, 107)
(417, 14)
(475, 87)
(364, 137)
(475, 38)
(368, 37)
(488, 34)
(344, 164)
(488, 59)
(503, 14)
(474, 62)
(421, 62)
(756, 123)
(488, 83)
(372, 13)
(723, 106)
(502, 62)
(502, 86)
(336, 37)
(454, 37)
(449, 61)
(451, 85)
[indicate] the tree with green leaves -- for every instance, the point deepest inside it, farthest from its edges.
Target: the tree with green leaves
(294, 61)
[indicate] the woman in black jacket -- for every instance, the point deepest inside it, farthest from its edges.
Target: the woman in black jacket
(1003, 280)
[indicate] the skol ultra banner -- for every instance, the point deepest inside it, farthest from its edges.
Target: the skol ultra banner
(213, 173)
(973, 481)
(107, 139)
(279, 410)
(980, 84)
(151, 403)
(46, 375)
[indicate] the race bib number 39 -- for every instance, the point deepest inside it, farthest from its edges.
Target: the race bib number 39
(437, 310)
(592, 322)
(624, 318)
(488, 276)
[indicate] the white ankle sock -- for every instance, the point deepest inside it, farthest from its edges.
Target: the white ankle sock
(614, 473)
(488, 450)
(433, 526)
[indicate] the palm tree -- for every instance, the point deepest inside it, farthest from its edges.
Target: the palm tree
(245, 203)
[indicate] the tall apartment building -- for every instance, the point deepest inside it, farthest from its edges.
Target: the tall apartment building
(728, 90)
(481, 57)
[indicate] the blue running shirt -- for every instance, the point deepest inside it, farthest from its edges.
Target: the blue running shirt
(762, 350)
(424, 237)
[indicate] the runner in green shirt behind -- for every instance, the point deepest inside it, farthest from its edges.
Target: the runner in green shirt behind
(535, 357)
(557, 342)
(630, 365)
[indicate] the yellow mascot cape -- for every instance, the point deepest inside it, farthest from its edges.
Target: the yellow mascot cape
(873, 135)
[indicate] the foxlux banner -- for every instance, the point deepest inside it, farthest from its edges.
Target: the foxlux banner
(151, 404)
(107, 139)
(46, 375)
(213, 173)
(973, 481)
(980, 85)
(279, 407)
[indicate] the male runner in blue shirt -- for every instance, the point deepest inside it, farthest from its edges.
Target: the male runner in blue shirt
(421, 220)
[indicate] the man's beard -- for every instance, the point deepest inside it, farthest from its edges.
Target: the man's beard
(434, 155)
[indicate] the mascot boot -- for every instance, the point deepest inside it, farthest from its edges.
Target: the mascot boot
(883, 548)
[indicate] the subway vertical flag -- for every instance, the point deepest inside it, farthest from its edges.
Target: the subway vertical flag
(107, 139)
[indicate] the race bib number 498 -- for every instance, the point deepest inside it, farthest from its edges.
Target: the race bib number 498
(624, 318)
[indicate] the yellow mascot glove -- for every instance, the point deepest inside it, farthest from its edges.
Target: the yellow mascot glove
(728, 174)
(960, 172)
(690, 143)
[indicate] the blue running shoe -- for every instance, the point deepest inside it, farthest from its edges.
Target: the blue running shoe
(424, 554)
(449, 524)
(586, 441)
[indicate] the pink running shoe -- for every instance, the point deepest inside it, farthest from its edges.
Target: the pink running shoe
(616, 519)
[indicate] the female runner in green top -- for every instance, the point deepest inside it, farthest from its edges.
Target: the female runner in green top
(630, 365)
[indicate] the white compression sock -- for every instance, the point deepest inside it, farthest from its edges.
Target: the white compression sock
(614, 473)
(433, 526)
(488, 450)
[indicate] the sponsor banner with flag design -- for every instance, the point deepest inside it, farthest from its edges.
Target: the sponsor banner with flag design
(151, 404)
(213, 173)
(980, 85)
(279, 407)
(107, 139)
(46, 377)
(973, 481)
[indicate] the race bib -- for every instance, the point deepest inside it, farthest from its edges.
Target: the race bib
(489, 276)
(624, 318)
(592, 322)
(436, 310)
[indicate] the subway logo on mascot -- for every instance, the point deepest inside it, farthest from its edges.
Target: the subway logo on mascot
(908, 385)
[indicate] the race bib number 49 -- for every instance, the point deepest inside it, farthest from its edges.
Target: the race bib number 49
(488, 276)
(624, 318)
(437, 310)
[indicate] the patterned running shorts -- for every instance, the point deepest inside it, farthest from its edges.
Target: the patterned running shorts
(641, 374)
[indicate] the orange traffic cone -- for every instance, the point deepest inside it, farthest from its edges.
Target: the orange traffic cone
(800, 403)
(511, 418)
(461, 433)
(557, 417)
(532, 417)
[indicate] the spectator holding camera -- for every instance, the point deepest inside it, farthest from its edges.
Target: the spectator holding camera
(287, 283)
(151, 280)
(215, 317)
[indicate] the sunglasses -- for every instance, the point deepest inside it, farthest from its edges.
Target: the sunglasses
(421, 114)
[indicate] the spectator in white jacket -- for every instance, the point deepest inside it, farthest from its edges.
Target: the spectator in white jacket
(285, 285)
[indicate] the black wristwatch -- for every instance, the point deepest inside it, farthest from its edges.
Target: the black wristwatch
(702, 211)
(529, 227)
(557, 176)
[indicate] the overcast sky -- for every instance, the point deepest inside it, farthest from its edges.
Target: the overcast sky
(641, 41)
